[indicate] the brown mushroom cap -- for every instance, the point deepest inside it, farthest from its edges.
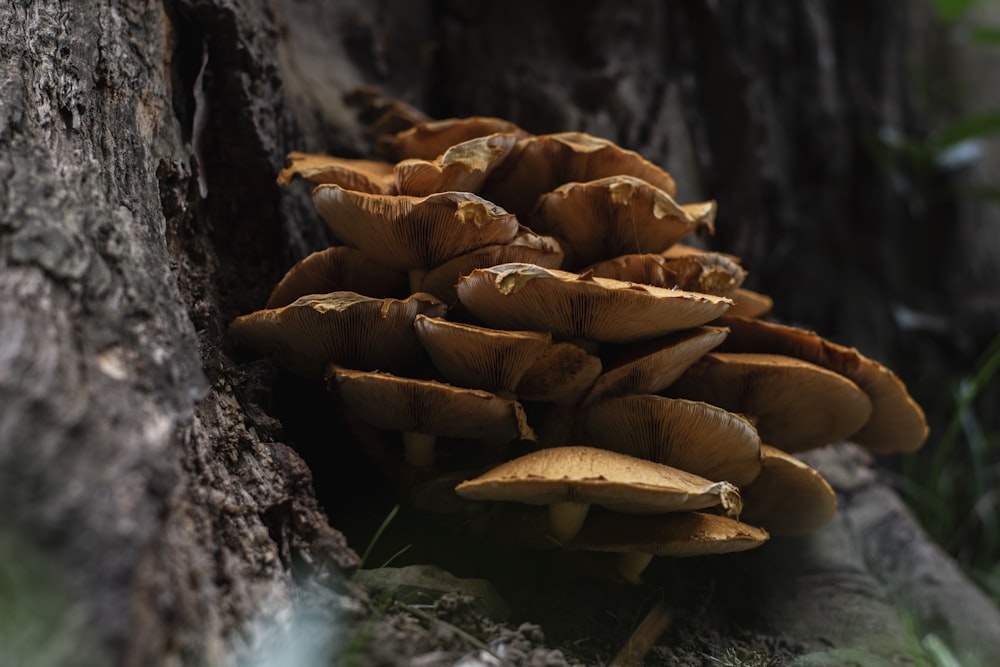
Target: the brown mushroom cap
(463, 167)
(342, 327)
(478, 357)
(601, 477)
(428, 140)
(635, 537)
(337, 269)
(573, 478)
(427, 407)
(788, 497)
(795, 404)
(371, 176)
(562, 374)
(523, 296)
(710, 272)
(683, 250)
(673, 534)
(540, 164)
(612, 216)
(407, 233)
(897, 423)
(747, 303)
(700, 438)
(527, 248)
(650, 366)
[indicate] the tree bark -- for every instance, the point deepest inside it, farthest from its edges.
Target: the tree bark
(158, 478)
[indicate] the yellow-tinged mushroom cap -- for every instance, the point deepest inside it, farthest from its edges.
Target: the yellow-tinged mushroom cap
(339, 327)
(524, 296)
(408, 233)
(897, 423)
(788, 497)
(795, 404)
(700, 438)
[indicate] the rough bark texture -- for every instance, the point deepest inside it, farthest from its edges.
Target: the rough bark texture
(150, 468)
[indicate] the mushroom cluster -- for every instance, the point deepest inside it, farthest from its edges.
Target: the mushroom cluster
(522, 309)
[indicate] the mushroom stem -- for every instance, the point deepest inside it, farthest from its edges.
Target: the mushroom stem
(418, 449)
(645, 636)
(416, 278)
(567, 518)
(631, 565)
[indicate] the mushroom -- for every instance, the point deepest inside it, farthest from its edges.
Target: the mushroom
(633, 538)
(614, 216)
(337, 269)
(429, 140)
(413, 234)
(748, 303)
(426, 409)
(568, 480)
(562, 374)
(523, 296)
(559, 378)
(371, 176)
(479, 357)
(539, 164)
(342, 327)
(697, 437)
(650, 366)
(795, 404)
(710, 272)
(788, 497)
(463, 167)
(526, 247)
(897, 423)
(683, 250)
(678, 534)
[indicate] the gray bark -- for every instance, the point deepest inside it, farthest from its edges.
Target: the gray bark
(142, 465)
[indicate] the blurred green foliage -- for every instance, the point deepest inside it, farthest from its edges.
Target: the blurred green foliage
(953, 484)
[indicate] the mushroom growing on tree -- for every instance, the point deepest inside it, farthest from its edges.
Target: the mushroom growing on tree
(568, 480)
(525, 248)
(794, 404)
(413, 234)
(473, 356)
(430, 139)
(697, 437)
(587, 314)
(424, 410)
(372, 176)
(649, 366)
(788, 497)
(540, 164)
(463, 167)
(614, 216)
(337, 269)
(897, 423)
(574, 306)
(341, 327)
(632, 540)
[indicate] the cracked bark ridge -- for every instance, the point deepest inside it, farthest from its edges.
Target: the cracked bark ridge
(132, 457)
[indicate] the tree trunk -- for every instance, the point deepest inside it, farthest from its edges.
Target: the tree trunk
(160, 507)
